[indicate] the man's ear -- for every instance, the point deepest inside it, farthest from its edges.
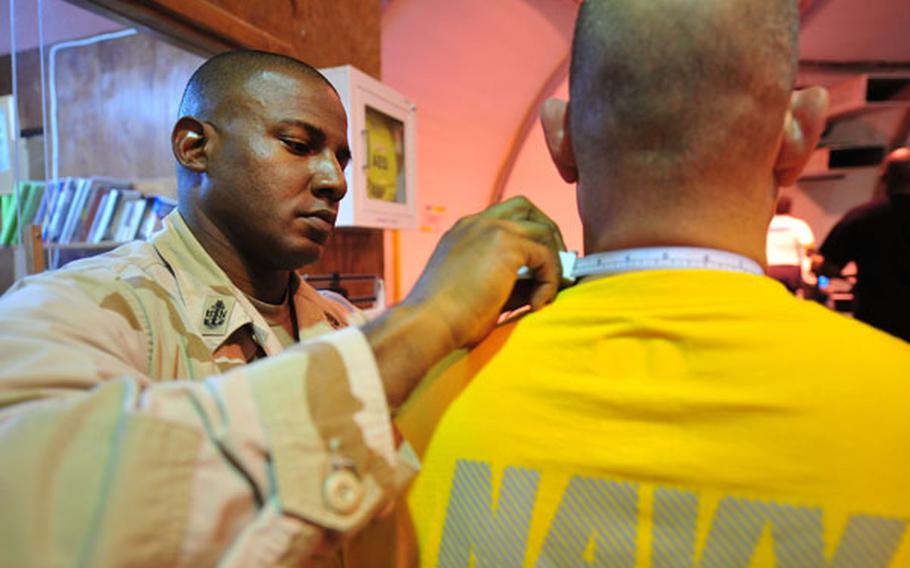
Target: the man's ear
(803, 127)
(554, 117)
(189, 142)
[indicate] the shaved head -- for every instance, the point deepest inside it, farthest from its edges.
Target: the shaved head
(261, 147)
(222, 87)
(217, 79)
(680, 92)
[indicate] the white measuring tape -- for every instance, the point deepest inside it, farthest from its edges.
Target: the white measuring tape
(651, 258)
(655, 258)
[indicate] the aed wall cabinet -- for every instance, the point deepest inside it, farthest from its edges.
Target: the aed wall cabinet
(382, 175)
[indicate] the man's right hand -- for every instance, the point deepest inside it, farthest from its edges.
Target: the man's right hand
(460, 294)
(474, 267)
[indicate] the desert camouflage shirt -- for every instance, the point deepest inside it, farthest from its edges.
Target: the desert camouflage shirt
(150, 417)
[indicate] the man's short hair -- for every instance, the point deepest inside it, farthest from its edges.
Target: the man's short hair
(223, 72)
(672, 89)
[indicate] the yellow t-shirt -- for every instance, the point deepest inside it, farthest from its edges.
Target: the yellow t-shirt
(668, 418)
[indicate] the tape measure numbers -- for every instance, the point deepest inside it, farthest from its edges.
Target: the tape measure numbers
(651, 258)
(656, 258)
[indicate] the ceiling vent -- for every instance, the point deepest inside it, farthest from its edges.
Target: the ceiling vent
(834, 162)
(867, 92)
(863, 93)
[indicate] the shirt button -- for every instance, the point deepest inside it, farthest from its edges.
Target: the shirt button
(342, 491)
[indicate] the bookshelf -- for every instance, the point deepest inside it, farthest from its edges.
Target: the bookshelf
(76, 217)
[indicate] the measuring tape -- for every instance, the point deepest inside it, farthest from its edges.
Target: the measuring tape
(654, 258)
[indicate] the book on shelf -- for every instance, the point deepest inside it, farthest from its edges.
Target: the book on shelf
(153, 221)
(130, 221)
(76, 211)
(34, 192)
(119, 214)
(89, 212)
(19, 206)
(59, 210)
(100, 187)
(83, 210)
(102, 216)
(84, 206)
(51, 189)
(7, 212)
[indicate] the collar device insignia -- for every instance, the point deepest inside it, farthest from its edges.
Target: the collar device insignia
(216, 314)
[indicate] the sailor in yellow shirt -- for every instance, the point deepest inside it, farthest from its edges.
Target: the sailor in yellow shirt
(676, 408)
(661, 418)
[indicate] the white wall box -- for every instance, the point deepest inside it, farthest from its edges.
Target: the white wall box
(382, 176)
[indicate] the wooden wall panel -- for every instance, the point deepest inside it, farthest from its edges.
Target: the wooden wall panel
(322, 33)
(339, 33)
(117, 102)
(351, 251)
(345, 240)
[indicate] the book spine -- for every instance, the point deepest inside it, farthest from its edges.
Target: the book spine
(90, 212)
(71, 226)
(123, 225)
(136, 216)
(50, 193)
(115, 228)
(106, 215)
(32, 203)
(61, 209)
(97, 217)
(7, 218)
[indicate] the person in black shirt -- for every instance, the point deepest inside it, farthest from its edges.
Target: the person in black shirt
(876, 236)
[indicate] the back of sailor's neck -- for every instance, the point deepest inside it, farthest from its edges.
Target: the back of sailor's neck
(736, 222)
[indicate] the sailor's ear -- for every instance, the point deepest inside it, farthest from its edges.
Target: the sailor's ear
(803, 127)
(554, 117)
(190, 143)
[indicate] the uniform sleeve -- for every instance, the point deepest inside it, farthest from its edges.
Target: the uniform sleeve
(270, 464)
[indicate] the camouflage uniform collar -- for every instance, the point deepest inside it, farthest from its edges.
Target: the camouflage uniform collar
(220, 307)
